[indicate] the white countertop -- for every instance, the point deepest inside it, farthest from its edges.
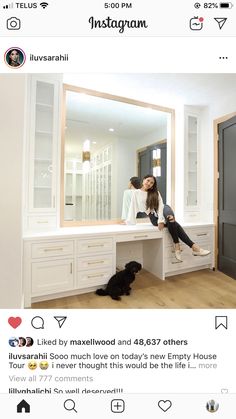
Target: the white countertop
(89, 230)
(98, 229)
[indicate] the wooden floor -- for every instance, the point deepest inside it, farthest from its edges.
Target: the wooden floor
(201, 289)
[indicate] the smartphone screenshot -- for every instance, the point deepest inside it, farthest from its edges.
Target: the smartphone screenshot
(117, 209)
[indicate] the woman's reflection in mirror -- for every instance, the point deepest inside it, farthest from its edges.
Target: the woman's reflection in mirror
(134, 183)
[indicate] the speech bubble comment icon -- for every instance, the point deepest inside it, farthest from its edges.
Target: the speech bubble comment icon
(37, 322)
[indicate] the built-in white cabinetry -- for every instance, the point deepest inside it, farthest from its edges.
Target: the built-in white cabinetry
(42, 169)
(94, 261)
(61, 263)
(51, 267)
(191, 164)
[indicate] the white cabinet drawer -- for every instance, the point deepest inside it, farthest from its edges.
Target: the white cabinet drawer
(52, 276)
(96, 245)
(49, 249)
(94, 262)
(188, 259)
(41, 222)
(93, 278)
(199, 236)
(186, 251)
(138, 236)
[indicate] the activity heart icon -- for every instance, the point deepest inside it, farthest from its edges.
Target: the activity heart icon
(14, 322)
(164, 405)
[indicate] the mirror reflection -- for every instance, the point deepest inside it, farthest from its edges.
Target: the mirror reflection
(107, 140)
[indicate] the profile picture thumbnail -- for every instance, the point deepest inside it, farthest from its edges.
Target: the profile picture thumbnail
(14, 57)
(212, 406)
(13, 342)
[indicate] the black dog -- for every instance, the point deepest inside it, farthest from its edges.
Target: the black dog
(119, 284)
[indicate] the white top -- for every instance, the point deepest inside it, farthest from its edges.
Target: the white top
(138, 204)
(126, 203)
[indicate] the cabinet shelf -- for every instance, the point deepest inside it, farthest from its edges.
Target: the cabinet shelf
(42, 187)
(44, 106)
(41, 159)
(43, 132)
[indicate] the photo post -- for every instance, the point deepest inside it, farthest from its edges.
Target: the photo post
(118, 210)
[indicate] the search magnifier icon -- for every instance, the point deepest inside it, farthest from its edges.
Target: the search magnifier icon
(69, 405)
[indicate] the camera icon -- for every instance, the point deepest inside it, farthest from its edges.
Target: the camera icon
(13, 23)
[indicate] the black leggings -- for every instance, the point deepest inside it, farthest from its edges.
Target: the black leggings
(175, 229)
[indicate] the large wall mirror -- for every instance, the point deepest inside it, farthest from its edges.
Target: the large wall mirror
(106, 140)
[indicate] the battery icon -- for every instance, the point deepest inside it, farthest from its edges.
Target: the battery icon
(226, 5)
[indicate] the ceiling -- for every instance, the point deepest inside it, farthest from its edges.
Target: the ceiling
(91, 117)
(164, 89)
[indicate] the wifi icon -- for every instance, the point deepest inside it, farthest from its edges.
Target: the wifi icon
(44, 4)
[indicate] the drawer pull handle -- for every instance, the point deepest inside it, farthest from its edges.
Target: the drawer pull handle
(95, 262)
(52, 249)
(95, 276)
(96, 245)
(202, 234)
(141, 237)
(42, 222)
(71, 267)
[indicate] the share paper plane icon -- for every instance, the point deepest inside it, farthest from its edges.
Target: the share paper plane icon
(61, 320)
(221, 21)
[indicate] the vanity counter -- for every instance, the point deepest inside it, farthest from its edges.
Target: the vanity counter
(75, 260)
(107, 229)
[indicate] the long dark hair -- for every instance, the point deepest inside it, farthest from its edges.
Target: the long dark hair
(152, 201)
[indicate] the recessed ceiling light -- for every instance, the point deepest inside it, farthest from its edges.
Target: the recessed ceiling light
(94, 142)
(111, 129)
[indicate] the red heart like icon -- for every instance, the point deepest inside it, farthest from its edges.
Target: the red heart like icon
(14, 322)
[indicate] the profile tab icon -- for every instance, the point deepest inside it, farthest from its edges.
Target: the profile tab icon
(212, 406)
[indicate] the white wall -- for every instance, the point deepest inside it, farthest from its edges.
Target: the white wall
(12, 116)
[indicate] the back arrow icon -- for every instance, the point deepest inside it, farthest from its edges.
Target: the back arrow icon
(221, 21)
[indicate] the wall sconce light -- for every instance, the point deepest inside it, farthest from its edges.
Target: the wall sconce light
(156, 162)
(86, 156)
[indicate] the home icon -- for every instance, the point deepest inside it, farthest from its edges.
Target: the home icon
(23, 406)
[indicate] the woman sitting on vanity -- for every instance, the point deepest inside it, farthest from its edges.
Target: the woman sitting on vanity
(148, 200)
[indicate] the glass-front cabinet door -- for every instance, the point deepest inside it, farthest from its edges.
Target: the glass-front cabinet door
(42, 147)
(191, 161)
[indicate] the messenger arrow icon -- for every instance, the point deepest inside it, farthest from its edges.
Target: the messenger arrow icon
(61, 320)
(221, 21)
